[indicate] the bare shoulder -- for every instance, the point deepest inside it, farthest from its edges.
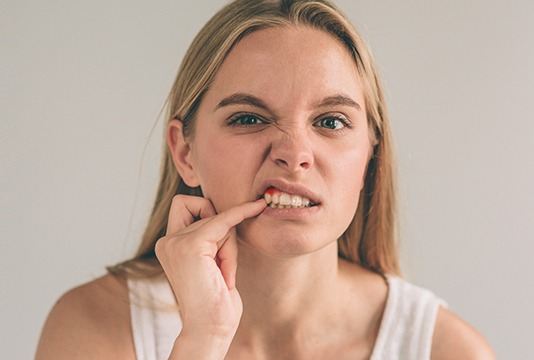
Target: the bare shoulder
(90, 321)
(454, 338)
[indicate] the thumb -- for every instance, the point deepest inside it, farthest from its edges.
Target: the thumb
(228, 259)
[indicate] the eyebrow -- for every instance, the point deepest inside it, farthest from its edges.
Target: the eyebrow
(247, 99)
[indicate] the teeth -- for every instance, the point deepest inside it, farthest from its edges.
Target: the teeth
(282, 200)
(285, 199)
(296, 201)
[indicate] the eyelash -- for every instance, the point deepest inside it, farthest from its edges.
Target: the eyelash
(234, 119)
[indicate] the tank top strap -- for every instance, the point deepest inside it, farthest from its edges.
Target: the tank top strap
(155, 319)
(405, 331)
(408, 322)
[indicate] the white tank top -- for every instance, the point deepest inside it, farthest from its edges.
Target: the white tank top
(405, 330)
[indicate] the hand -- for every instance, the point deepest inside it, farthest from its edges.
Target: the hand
(200, 261)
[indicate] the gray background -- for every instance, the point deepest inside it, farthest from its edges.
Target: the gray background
(82, 87)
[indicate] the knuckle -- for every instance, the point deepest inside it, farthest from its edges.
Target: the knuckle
(168, 245)
(158, 246)
(178, 198)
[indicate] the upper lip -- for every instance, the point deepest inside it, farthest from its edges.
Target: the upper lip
(290, 188)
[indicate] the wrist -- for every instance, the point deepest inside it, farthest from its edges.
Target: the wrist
(204, 346)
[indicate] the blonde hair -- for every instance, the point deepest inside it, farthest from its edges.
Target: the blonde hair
(371, 238)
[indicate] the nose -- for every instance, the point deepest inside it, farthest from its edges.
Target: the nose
(291, 150)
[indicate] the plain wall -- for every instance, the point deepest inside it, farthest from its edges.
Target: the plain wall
(82, 87)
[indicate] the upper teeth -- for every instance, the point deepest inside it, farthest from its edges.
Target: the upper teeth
(285, 199)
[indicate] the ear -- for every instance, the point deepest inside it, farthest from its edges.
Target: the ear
(180, 151)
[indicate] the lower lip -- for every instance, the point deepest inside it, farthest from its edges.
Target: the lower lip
(291, 213)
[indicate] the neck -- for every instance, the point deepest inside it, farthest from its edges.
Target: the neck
(287, 298)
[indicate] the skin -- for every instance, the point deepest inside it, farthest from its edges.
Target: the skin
(299, 299)
(290, 70)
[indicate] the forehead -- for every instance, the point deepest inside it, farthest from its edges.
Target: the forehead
(286, 66)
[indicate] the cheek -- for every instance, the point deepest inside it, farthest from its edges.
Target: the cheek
(346, 181)
(348, 172)
(225, 172)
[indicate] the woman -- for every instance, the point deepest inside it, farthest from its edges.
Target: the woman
(274, 227)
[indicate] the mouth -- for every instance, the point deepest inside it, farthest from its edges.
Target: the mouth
(279, 199)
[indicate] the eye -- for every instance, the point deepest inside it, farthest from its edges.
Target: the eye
(336, 123)
(332, 122)
(245, 120)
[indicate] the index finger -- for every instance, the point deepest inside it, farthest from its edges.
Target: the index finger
(224, 221)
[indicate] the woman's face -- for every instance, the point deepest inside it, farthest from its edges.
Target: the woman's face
(290, 70)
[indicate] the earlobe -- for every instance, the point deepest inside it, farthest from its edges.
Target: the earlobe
(180, 151)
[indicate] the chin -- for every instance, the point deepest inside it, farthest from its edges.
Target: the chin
(282, 243)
